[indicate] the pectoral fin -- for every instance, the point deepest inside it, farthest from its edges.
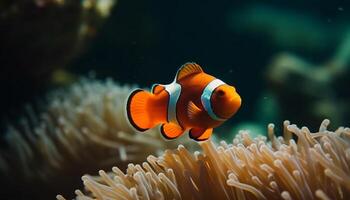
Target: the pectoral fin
(171, 130)
(199, 134)
(192, 110)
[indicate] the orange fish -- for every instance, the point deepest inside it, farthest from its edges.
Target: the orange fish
(194, 101)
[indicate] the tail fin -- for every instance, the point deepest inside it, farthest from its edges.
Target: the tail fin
(137, 110)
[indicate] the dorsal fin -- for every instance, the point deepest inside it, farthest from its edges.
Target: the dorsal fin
(188, 69)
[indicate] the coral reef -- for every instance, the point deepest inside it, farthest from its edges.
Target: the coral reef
(74, 131)
(316, 166)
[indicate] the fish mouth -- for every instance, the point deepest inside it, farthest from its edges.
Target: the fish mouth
(236, 100)
(235, 103)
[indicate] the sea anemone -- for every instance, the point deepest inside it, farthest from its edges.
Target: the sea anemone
(314, 166)
(72, 132)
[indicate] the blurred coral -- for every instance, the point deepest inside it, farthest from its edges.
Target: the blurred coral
(75, 131)
(287, 28)
(39, 36)
(315, 89)
(315, 166)
(42, 34)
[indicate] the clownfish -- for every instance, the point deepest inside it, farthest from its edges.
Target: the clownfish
(194, 101)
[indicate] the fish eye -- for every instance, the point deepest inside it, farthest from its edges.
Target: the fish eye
(220, 93)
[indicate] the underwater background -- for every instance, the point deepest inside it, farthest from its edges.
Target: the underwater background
(289, 60)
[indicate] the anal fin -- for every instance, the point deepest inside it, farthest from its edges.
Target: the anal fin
(171, 130)
(200, 134)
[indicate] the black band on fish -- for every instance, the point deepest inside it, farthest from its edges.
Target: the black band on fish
(206, 96)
